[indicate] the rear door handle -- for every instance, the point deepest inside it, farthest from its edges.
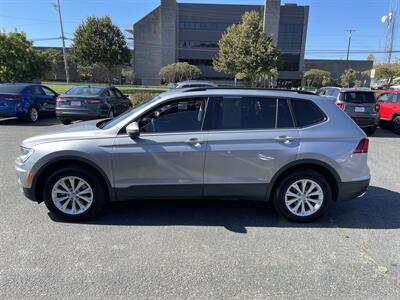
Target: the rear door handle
(284, 138)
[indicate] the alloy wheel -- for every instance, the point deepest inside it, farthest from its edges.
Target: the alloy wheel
(33, 114)
(304, 197)
(72, 195)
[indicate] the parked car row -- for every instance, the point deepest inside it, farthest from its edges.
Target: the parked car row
(32, 101)
(367, 109)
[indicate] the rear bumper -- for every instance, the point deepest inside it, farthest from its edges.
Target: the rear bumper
(352, 189)
(365, 122)
(72, 114)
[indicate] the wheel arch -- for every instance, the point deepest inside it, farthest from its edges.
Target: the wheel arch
(55, 164)
(323, 168)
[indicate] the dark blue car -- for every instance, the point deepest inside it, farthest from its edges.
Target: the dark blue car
(26, 100)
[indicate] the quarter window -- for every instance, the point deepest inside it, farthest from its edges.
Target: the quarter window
(306, 113)
(182, 115)
(242, 113)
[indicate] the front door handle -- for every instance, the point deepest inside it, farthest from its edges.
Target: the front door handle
(193, 141)
(284, 138)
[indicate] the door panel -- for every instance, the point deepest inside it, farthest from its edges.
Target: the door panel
(159, 165)
(245, 147)
(242, 163)
(167, 159)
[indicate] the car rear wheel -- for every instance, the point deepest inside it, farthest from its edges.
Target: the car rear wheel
(303, 196)
(74, 194)
(370, 130)
(33, 114)
(396, 125)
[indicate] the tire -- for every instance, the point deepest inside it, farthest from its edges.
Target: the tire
(286, 204)
(33, 114)
(396, 125)
(371, 130)
(65, 122)
(87, 205)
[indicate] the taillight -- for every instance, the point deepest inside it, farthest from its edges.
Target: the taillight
(59, 99)
(11, 98)
(341, 105)
(362, 146)
(94, 101)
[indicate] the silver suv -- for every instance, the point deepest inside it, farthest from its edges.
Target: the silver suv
(295, 149)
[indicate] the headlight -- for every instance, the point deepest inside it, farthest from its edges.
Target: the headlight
(25, 153)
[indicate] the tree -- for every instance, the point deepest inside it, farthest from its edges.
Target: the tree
(387, 72)
(56, 60)
(99, 42)
(371, 57)
(348, 78)
(19, 62)
(317, 77)
(245, 52)
(179, 72)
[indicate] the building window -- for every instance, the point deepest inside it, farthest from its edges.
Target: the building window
(203, 26)
(197, 62)
(290, 62)
(290, 37)
(197, 44)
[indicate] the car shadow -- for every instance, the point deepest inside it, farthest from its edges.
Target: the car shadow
(43, 121)
(378, 209)
(384, 133)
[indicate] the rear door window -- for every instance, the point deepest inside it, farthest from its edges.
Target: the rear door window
(306, 113)
(230, 113)
(358, 97)
(285, 119)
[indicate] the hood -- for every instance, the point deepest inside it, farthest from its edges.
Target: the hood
(78, 131)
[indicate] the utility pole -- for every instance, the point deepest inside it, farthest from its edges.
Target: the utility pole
(58, 8)
(350, 31)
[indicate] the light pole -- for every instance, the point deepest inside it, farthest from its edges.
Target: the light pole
(58, 8)
(350, 31)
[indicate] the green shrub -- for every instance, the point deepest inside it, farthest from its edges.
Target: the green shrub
(139, 97)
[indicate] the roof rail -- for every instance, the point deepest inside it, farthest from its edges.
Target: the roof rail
(199, 89)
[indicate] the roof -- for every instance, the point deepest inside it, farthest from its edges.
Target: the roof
(195, 81)
(357, 89)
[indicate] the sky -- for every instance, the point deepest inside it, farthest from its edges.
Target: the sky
(328, 21)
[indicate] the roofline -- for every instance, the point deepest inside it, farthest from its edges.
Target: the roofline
(200, 89)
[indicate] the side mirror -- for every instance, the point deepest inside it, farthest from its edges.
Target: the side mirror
(133, 130)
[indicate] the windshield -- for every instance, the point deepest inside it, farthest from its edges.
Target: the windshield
(11, 88)
(111, 123)
(359, 97)
(85, 91)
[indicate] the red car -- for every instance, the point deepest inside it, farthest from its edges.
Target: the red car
(389, 109)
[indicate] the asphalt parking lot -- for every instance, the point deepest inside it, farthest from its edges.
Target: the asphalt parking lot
(201, 249)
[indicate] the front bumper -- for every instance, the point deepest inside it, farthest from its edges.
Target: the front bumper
(352, 189)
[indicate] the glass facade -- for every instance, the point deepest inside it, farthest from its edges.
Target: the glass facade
(203, 26)
(197, 44)
(289, 43)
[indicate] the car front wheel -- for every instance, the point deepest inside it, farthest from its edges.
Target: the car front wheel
(74, 194)
(303, 196)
